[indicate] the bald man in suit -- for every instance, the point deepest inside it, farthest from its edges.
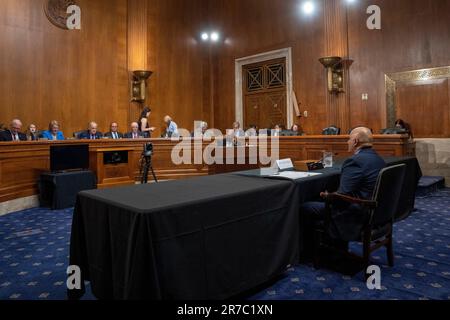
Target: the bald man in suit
(13, 133)
(358, 178)
(92, 133)
(134, 133)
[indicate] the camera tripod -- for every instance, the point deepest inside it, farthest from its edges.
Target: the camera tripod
(146, 166)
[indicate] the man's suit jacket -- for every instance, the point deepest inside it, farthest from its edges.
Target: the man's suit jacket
(129, 135)
(110, 135)
(87, 135)
(7, 136)
(358, 178)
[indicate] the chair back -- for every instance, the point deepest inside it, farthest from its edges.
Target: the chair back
(393, 131)
(331, 131)
(40, 134)
(387, 194)
(77, 134)
(288, 133)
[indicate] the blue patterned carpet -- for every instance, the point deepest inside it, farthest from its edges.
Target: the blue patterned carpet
(34, 247)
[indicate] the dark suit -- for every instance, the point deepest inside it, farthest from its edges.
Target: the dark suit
(7, 136)
(87, 136)
(129, 135)
(110, 135)
(358, 178)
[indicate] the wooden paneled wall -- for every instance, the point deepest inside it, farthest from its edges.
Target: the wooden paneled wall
(72, 76)
(256, 26)
(179, 86)
(137, 43)
(415, 34)
(336, 44)
(77, 76)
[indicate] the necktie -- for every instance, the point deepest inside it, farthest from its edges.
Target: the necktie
(115, 135)
(16, 138)
(92, 137)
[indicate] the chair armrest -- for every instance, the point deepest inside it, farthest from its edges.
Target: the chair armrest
(330, 197)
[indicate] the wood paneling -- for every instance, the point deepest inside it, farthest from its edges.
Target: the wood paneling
(426, 105)
(179, 86)
(415, 34)
(71, 76)
(336, 44)
(22, 163)
(78, 76)
(137, 44)
(255, 26)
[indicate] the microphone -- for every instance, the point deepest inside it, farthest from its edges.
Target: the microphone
(319, 165)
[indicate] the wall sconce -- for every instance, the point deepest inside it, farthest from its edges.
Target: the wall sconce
(139, 85)
(335, 72)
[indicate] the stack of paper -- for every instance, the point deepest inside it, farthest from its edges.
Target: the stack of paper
(295, 175)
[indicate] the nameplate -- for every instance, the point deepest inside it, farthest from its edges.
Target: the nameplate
(285, 164)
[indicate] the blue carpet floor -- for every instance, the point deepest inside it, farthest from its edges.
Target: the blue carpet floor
(34, 247)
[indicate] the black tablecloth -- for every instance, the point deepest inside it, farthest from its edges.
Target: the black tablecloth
(204, 238)
(59, 190)
(305, 189)
(309, 189)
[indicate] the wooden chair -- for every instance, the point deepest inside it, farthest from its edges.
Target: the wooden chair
(380, 210)
(77, 134)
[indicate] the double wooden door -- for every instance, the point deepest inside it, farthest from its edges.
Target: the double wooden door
(265, 103)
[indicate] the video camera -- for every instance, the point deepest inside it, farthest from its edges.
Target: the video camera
(148, 149)
(146, 163)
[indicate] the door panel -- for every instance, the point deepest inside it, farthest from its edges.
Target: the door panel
(264, 88)
(425, 105)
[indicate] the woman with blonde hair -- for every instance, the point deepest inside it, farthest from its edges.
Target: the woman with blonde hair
(53, 132)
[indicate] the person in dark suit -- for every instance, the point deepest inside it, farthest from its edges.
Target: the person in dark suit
(358, 178)
(134, 133)
(91, 133)
(114, 133)
(13, 134)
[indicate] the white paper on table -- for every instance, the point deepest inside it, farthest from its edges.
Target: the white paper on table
(285, 164)
(295, 175)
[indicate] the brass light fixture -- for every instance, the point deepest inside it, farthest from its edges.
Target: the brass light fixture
(139, 85)
(335, 72)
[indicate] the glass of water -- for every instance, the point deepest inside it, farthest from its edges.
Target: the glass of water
(328, 159)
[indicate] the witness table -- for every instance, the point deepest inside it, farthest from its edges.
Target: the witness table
(204, 238)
